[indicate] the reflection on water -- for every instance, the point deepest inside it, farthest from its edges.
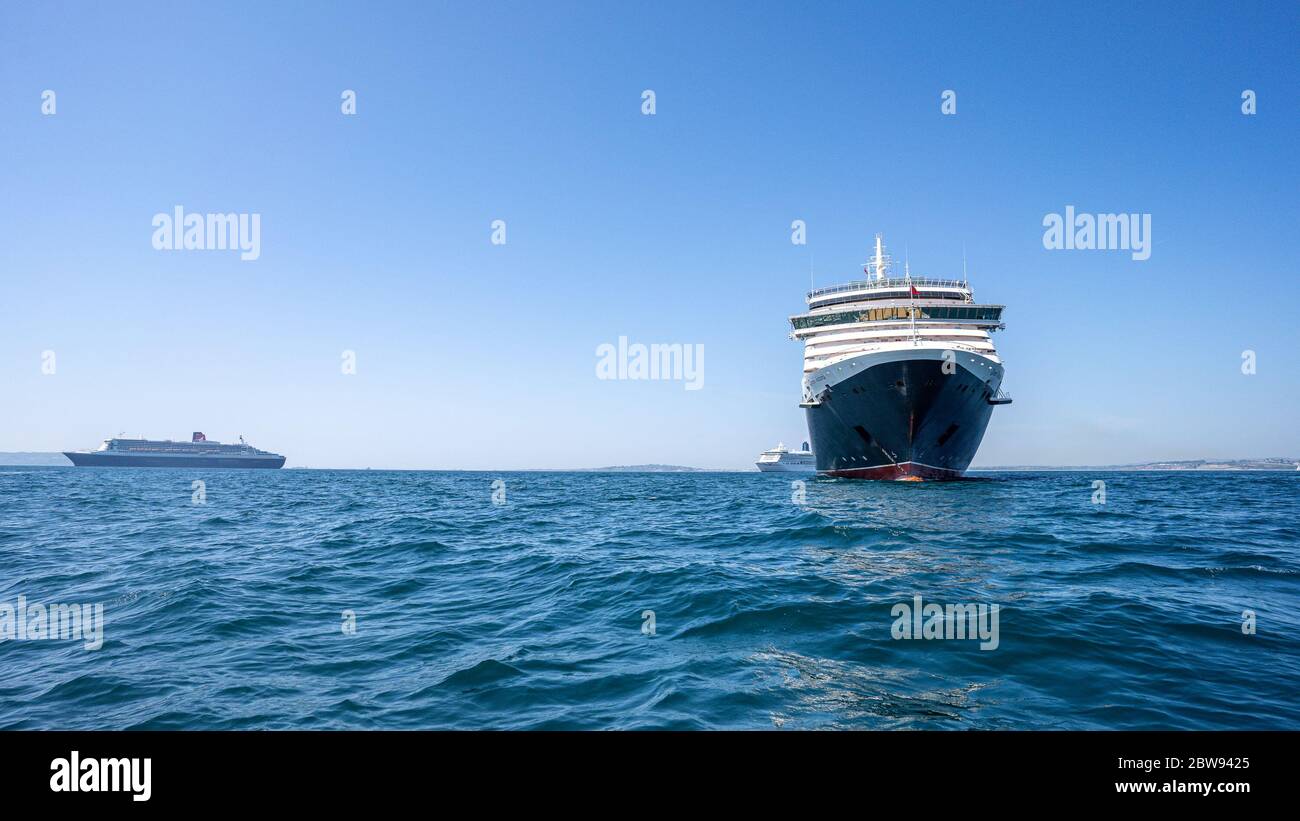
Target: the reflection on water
(827, 692)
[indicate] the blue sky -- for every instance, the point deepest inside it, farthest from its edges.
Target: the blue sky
(671, 228)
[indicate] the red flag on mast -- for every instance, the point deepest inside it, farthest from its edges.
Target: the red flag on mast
(914, 291)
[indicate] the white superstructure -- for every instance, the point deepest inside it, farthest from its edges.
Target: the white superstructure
(909, 317)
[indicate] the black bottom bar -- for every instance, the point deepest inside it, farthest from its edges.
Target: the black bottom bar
(212, 770)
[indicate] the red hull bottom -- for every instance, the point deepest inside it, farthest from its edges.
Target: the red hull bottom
(903, 471)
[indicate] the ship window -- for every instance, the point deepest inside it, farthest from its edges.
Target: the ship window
(986, 314)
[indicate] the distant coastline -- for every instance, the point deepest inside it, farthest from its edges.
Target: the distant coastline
(1271, 464)
(33, 459)
(645, 469)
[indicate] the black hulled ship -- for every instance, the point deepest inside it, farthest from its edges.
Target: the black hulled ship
(900, 375)
(199, 452)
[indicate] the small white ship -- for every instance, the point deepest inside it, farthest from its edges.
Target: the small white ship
(781, 459)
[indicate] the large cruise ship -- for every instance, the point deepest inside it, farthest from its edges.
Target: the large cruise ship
(196, 453)
(900, 375)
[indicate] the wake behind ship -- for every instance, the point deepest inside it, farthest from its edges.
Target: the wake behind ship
(197, 453)
(900, 375)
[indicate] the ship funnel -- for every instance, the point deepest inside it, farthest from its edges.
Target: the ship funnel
(805, 446)
(199, 437)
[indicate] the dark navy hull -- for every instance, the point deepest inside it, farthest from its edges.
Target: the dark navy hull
(125, 461)
(903, 419)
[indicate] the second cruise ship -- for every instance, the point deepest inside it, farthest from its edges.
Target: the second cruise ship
(781, 459)
(199, 452)
(900, 375)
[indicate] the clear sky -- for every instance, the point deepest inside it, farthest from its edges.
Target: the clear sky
(671, 228)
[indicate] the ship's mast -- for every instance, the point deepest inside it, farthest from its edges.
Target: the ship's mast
(878, 266)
